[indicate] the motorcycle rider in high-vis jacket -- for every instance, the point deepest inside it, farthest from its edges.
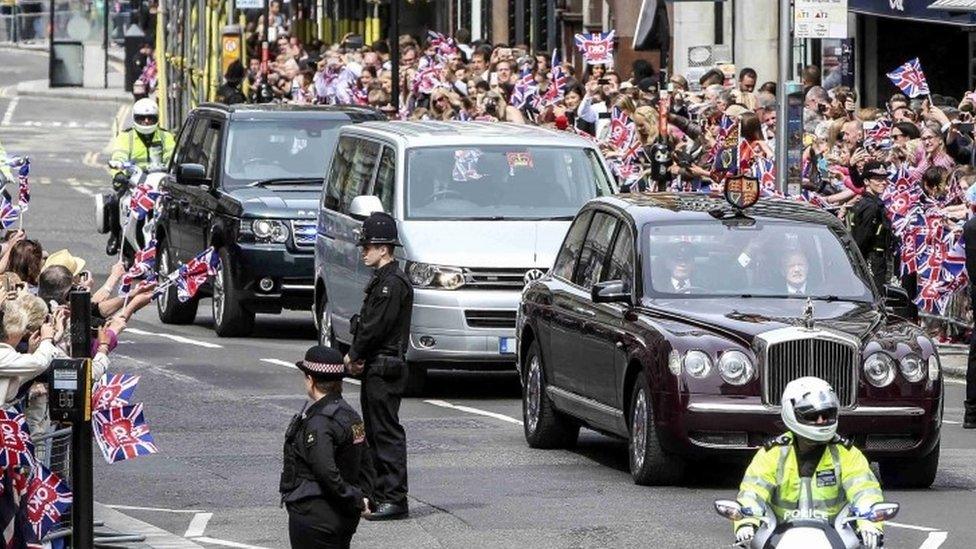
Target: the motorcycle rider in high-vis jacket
(811, 462)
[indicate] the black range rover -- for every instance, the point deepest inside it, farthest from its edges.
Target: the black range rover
(246, 180)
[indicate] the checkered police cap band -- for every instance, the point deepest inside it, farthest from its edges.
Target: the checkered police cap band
(324, 367)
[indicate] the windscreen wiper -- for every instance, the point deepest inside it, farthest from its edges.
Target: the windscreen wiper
(285, 181)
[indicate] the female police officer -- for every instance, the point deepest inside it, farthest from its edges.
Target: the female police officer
(327, 469)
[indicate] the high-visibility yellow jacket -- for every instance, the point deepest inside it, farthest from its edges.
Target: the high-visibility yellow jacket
(4, 168)
(772, 481)
(129, 147)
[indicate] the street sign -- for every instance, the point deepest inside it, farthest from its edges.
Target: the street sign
(820, 18)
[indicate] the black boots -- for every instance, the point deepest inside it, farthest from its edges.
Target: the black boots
(969, 420)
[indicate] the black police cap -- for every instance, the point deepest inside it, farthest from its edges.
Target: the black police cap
(379, 228)
(323, 363)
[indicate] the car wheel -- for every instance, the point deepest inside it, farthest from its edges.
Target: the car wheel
(416, 379)
(326, 333)
(545, 427)
(650, 464)
(169, 307)
(231, 319)
(915, 473)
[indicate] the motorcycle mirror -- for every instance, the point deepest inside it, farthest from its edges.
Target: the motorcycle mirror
(115, 164)
(881, 512)
(729, 509)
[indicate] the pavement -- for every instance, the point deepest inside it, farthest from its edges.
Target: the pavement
(217, 408)
(40, 87)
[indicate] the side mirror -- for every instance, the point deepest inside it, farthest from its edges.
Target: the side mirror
(610, 291)
(190, 174)
(897, 301)
(882, 511)
(364, 205)
(729, 509)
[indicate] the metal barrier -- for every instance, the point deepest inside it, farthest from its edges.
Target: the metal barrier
(53, 450)
(957, 319)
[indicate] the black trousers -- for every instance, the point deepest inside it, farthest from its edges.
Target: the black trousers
(305, 533)
(383, 385)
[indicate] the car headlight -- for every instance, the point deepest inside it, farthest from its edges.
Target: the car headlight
(879, 368)
(697, 364)
(423, 275)
(935, 369)
(735, 367)
(911, 367)
(264, 231)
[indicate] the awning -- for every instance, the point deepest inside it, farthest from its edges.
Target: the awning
(929, 11)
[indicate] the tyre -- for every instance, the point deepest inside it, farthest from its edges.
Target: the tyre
(650, 464)
(545, 427)
(231, 319)
(326, 334)
(416, 379)
(169, 307)
(915, 473)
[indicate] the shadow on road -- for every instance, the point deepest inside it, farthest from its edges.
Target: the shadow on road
(471, 385)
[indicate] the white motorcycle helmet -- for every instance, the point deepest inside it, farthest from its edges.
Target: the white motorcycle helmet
(145, 116)
(810, 408)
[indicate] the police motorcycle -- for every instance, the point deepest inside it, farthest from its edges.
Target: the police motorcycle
(805, 528)
(118, 207)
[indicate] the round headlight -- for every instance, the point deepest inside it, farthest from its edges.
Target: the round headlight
(934, 367)
(697, 364)
(879, 368)
(674, 362)
(912, 368)
(420, 274)
(263, 228)
(735, 367)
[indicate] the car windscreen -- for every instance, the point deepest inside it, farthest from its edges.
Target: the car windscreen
(502, 182)
(261, 150)
(764, 259)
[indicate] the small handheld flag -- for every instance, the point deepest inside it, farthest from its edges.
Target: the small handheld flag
(910, 79)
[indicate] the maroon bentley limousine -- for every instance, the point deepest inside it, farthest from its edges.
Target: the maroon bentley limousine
(676, 320)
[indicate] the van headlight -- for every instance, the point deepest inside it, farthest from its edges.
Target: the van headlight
(735, 367)
(879, 369)
(263, 231)
(424, 275)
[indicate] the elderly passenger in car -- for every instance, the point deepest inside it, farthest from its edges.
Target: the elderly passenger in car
(795, 268)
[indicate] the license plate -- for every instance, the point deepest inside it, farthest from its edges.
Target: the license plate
(506, 345)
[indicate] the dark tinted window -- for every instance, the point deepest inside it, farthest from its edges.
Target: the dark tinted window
(621, 265)
(339, 173)
(594, 250)
(566, 260)
(183, 147)
(386, 179)
(284, 148)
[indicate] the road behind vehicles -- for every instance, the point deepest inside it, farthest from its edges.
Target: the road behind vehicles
(806, 530)
(481, 210)
(245, 180)
(671, 321)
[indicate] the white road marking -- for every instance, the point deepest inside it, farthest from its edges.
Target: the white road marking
(198, 525)
(954, 381)
(82, 190)
(475, 411)
(910, 526)
(291, 365)
(226, 543)
(950, 422)
(157, 509)
(8, 116)
(176, 338)
(934, 540)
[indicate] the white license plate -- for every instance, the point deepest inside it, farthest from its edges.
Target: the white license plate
(506, 345)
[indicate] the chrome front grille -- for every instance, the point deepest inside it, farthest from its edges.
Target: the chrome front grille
(303, 231)
(832, 360)
(495, 278)
(490, 318)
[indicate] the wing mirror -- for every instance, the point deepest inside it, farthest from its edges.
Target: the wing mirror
(191, 173)
(729, 509)
(364, 205)
(610, 291)
(897, 301)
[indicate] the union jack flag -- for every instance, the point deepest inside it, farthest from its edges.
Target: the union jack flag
(48, 499)
(427, 78)
(17, 449)
(526, 91)
(597, 47)
(190, 277)
(557, 81)
(114, 391)
(143, 266)
(23, 165)
(444, 45)
(880, 132)
(910, 79)
(622, 129)
(143, 200)
(9, 214)
(764, 170)
(122, 433)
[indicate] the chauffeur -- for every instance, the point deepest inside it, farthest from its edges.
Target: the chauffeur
(327, 470)
(380, 337)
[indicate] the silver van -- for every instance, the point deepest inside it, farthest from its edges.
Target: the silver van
(481, 208)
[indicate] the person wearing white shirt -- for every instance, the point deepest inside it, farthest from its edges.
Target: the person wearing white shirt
(795, 269)
(19, 368)
(681, 267)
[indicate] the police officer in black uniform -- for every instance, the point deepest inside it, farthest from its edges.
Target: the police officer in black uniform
(969, 239)
(327, 471)
(381, 333)
(870, 226)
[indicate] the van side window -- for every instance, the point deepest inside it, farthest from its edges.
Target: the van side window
(386, 179)
(595, 250)
(339, 173)
(566, 260)
(360, 173)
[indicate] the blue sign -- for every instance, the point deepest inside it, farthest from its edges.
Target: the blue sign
(910, 9)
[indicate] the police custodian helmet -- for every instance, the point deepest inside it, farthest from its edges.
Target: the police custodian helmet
(379, 228)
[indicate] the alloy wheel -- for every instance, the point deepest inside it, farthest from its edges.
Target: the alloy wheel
(163, 298)
(325, 327)
(638, 428)
(219, 295)
(533, 394)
